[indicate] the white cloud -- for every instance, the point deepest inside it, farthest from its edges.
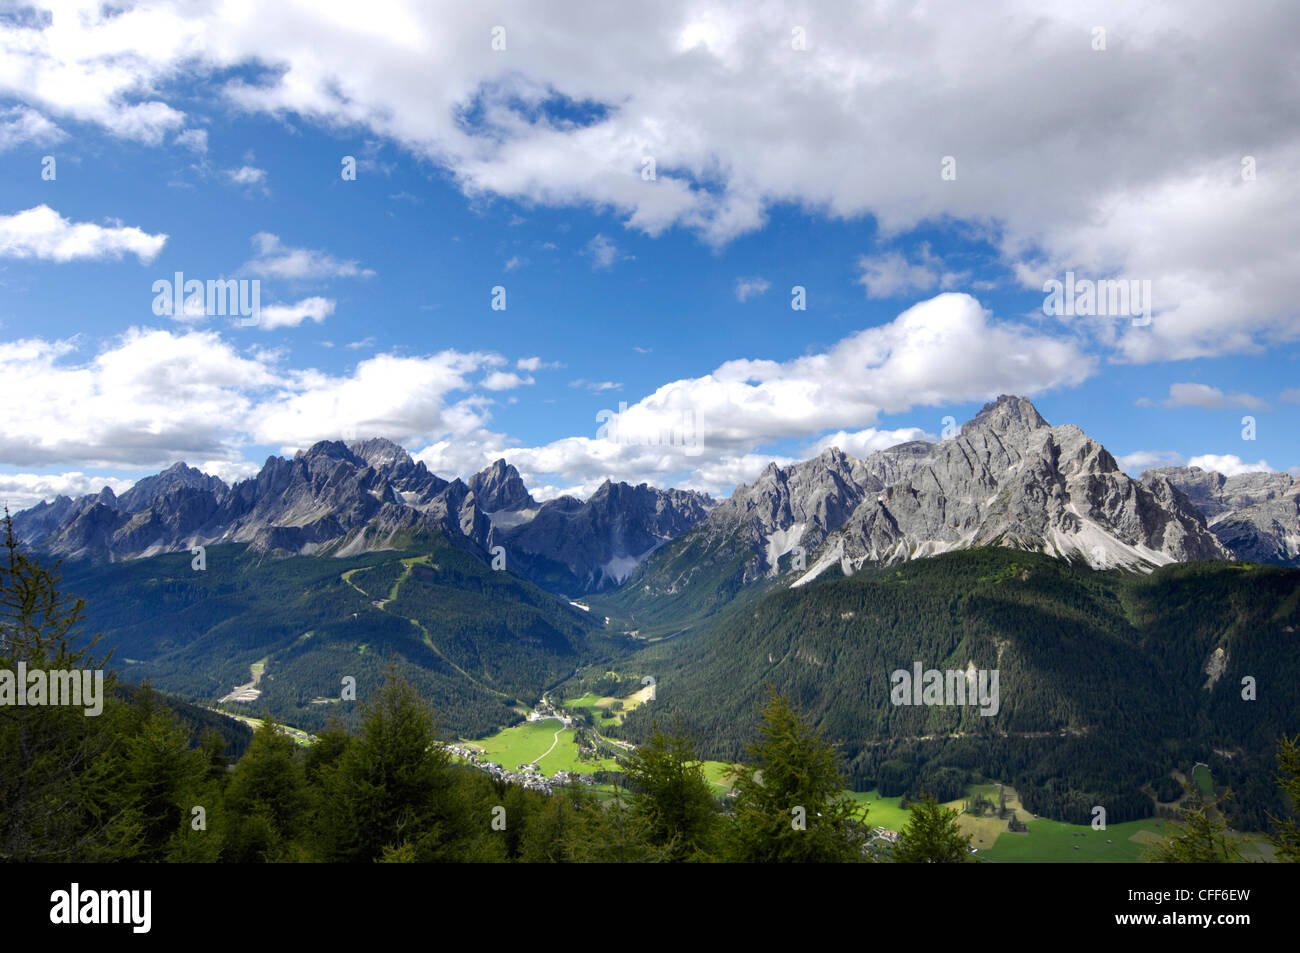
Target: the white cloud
(43, 233)
(231, 471)
(402, 398)
(747, 288)
(863, 443)
(1140, 461)
(505, 380)
(99, 65)
(602, 251)
(20, 124)
(515, 262)
(1229, 464)
(596, 385)
(1291, 396)
(363, 343)
(150, 398)
(291, 315)
(247, 175)
(893, 274)
(195, 140)
(276, 260)
(18, 491)
(535, 364)
(153, 397)
(1204, 396)
(707, 432)
(738, 123)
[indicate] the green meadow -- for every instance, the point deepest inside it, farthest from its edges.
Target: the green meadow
(881, 811)
(538, 742)
(1054, 842)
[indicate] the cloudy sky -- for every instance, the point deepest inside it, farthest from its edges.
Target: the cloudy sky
(662, 243)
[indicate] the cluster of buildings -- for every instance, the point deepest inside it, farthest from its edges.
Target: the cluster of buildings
(888, 836)
(525, 775)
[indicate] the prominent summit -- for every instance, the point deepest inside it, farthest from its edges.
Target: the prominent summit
(1008, 478)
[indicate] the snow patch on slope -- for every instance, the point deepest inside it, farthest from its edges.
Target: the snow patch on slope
(509, 519)
(1101, 550)
(830, 556)
(782, 541)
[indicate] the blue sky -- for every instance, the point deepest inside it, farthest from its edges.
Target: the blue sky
(214, 146)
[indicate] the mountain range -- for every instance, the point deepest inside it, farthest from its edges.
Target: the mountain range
(819, 578)
(1007, 479)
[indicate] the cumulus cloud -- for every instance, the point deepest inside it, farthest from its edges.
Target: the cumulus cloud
(602, 251)
(276, 260)
(1140, 461)
(506, 380)
(20, 125)
(709, 432)
(1204, 396)
(738, 123)
(1229, 464)
(863, 443)
(535, 364)
(893, 274)
(404, 398)
(195, 140)
(747, 288)
(43, 233)
(150, 398)
(291, 315)
(247, 175)
(18, 491)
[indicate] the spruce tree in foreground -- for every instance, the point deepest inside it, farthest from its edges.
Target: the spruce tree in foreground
(791, 803)
(1286, 839)
(932, 835)
(673, 801)
(58, 799)
(394, 793)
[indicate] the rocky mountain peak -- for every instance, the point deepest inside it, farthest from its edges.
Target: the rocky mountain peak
(499, 487)
(1007, 414)
(329, 450)
(381, 453)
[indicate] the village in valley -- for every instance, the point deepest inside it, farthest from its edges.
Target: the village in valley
(530, 774)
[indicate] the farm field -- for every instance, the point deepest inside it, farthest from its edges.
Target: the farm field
(881, 811)
(599, 705)
(534, 740)
(718, 774)
(1054, 842)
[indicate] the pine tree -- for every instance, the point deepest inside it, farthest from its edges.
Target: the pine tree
(1286, 839)
(791, 804)
(54, 789)
(672, 800)
(265, 799)
(395, 786)
(932, 835)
